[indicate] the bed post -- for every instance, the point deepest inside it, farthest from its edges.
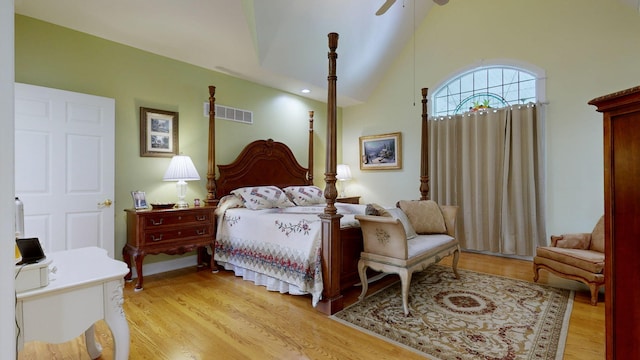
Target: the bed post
(424, 150)
(330, 191)
(332, 300)
(211, 158)
(310, 162)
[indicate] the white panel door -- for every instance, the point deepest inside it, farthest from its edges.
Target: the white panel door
(64, 160)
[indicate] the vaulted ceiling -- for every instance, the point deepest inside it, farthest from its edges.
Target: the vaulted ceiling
(279, 43)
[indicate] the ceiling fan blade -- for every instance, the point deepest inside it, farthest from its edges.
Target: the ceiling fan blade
(383, 9)
(441, 2)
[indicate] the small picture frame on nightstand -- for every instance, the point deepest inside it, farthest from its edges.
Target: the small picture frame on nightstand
(139, 200)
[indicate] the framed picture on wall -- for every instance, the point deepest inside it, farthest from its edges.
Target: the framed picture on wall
(380, 152)
(158, 133)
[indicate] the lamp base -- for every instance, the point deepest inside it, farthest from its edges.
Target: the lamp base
(342, 189)
(181, 186)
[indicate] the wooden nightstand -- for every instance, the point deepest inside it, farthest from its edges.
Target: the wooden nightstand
(349, 200)
(171, 231)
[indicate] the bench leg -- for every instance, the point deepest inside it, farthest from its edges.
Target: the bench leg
(362, 271)
(454, 265)
(405, 281)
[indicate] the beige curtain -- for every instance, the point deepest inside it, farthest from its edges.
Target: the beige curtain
(490, 164)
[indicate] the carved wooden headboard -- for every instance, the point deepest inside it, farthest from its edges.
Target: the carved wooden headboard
(262, 162)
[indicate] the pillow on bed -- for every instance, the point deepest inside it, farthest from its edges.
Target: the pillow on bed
(230, 201)
(305, 195)
(263, 197)
(397, 213)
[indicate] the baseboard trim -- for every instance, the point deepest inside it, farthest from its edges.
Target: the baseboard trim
(167, 265)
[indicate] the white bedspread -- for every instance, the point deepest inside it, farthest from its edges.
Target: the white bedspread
(279, 247)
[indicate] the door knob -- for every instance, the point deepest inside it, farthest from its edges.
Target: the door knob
(106, 203)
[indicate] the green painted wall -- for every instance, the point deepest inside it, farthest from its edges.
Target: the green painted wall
(57, 57)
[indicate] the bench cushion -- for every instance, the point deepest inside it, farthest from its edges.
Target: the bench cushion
(426, 243)
(423, 249)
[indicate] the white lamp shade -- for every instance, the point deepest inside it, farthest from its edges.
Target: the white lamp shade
(181, 168)
(343, 172)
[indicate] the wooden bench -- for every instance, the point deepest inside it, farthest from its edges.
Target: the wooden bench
(391, 246)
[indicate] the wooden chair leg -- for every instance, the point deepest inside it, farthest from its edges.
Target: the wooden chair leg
(536, 275)
(405, 281)
(594, 293)
(362, 271)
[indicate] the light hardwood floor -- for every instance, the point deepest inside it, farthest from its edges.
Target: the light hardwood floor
(189, 314)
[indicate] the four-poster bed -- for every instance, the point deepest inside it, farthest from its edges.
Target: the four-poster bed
(270, 163)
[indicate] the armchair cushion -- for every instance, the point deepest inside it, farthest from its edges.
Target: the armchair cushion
(589, 260)
(572, 241)
(425, 216)
(591, 279)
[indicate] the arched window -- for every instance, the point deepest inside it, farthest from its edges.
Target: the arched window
(491, 163)
(488, 85)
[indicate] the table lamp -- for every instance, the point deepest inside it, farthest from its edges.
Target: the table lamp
(343, 173)
(181, 169)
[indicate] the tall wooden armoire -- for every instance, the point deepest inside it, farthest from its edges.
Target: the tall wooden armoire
(621, 112)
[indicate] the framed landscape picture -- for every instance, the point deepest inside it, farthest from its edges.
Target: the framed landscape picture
(380, 152)
(158, 133)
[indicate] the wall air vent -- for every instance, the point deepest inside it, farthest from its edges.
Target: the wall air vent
(229, 113)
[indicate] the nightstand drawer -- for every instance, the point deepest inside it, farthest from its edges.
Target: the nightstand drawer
(155, 237)
(175, 218)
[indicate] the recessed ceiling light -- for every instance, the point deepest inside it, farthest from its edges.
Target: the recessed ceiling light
(305, 91)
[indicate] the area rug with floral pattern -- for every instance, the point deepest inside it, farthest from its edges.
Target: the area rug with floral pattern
(478, 316)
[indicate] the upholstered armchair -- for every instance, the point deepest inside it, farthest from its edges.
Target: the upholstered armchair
(577, 256)
(407, 239)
